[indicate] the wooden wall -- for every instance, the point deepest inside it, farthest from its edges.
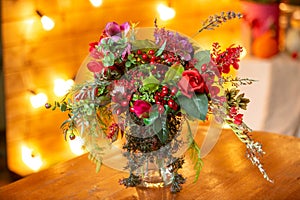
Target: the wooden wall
(33, 58)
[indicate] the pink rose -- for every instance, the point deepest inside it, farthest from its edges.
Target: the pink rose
(192, 82)
(141, 108)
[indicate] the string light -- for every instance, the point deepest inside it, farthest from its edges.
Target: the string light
(47, 23)
(165, 12)
(76, 145)
(38, 99)
(96, 3)
(61, 87)
(30, 159)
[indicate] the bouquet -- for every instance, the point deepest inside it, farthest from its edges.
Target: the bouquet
(143, 93)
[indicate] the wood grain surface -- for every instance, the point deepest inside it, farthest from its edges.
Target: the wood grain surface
(226, 174)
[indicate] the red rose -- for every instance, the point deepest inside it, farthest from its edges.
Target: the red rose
(192, 82)
(141, 108)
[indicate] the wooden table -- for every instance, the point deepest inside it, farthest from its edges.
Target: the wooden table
(227, 174)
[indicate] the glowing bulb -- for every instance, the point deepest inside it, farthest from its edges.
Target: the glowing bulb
(61, 87)
(76, 145)
(165, 12)
(48, 23)
(34, 162)
(38, 100)
(96, 3)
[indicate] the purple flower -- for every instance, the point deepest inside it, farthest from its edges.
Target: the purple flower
(113, 29)
(174, 43)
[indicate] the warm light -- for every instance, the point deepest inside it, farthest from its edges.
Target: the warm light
(96, 3)
(165, 12)
(61, 87)
(48, 23)
(76, 145)
(38, 100)
(33, 161)
(243, 53)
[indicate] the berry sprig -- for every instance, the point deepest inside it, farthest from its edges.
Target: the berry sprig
(166, 97)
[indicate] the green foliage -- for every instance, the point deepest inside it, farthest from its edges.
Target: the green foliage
(196, 106)
(202, 57)
(174, 73)
(194, 153)
(96, 160)
(161, 49)
(163, 133)
(153, 116)
(234, 99)
(151, 83)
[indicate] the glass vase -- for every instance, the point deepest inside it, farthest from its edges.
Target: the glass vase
(155, 183)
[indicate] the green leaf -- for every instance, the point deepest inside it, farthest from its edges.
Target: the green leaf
(150, 80)
(161, 130)
(161, 49)
(195, 155)
(197, 106)
(174, 73)
(63, 107)
(202, 57)
(151, 83)
(157, 126)
(151, 119)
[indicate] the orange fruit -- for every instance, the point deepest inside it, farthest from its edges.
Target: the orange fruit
(265, 46)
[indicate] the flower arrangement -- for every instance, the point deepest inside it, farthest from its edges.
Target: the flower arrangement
(142, 92)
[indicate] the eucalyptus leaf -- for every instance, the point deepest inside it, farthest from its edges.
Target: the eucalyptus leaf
(161, 49)
(202, 58)
(196, 106)
(128, 64)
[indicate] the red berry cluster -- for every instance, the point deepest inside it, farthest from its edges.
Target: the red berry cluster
(133, 77)
(112, 130)
(147, 56)
(227, 58)
(166, 97)
(169, 58)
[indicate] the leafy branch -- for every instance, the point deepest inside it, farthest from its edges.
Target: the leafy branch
(195, 154)
(237, 81)
(214, 21)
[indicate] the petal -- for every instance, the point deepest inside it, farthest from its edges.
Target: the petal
(95, 66)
